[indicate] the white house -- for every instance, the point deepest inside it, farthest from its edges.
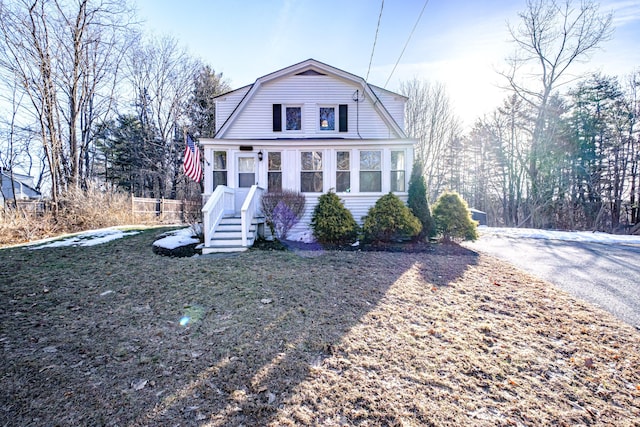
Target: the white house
(311, 128)
(23, 185)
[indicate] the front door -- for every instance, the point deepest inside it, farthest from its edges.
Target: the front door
(246, 176)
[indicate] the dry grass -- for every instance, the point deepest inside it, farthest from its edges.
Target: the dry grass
(92, 336)
(79, 210)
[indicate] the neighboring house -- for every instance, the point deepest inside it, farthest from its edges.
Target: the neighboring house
(311, 128)
(23, 184)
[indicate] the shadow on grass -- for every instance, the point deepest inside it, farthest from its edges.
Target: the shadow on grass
(93, 335)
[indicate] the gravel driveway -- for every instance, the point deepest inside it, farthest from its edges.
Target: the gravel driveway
(607, 275)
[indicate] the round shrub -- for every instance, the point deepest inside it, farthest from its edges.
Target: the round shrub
(332, 223)
(390, 220)
(418, 203)
(453, 218)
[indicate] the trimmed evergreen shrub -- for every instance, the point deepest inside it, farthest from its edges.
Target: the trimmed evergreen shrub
(332, 223)
(418, 203)
(282, 210)
(453, 218)
(390, 220)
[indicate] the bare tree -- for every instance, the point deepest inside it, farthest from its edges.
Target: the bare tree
(550, 38)
(65, 54)
(431, 120)
(160, 73)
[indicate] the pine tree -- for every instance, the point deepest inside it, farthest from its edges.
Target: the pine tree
(418, 202)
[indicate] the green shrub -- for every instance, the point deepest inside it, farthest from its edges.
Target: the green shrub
(282, 210)
(333, 223)
(418, 202)
(453, 218)
(390, 220)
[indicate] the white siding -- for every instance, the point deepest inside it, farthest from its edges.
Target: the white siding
(310, 92)
(225, 104)
(393, 102)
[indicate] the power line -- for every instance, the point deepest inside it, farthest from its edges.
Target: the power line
(405, 45)
(375, 40)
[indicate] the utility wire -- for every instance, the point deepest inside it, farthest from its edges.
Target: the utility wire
(375, 40)
(405, 45)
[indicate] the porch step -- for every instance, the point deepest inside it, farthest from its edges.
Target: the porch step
(227, 237)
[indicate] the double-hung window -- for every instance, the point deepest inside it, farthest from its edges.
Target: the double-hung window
(397, 171)
(219, 168)
(370, 171)
(343, 171)
(311, 179)
(275, 171)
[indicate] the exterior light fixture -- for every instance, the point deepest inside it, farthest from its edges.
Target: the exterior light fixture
(260, 155)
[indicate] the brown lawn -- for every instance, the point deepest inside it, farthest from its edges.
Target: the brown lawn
(93, 336)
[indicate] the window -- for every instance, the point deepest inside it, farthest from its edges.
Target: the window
(246, 172)
(370, 171)
(327, 118)
(311, 172)
(293, 117)
(275, 171)
(397, 171)
(343, 172)
(219, 168)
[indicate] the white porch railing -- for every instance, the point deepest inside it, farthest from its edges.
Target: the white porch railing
(250, 208)
(221, 202)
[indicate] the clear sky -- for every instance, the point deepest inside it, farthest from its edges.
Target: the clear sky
(458, 43)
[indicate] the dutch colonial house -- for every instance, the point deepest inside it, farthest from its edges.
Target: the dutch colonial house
(311, 128)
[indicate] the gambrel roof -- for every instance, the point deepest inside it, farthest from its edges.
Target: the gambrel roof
(314, 67)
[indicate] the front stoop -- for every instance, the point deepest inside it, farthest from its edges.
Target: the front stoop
(227, 237)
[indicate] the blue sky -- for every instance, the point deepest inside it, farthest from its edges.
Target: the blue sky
(458, 43)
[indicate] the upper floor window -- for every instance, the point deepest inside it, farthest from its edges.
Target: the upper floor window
(289, 116)
(293, 117)
(327, 118)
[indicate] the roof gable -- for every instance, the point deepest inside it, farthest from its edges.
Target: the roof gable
(311, 67)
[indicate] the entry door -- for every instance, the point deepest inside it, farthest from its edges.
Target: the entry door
(246, 176)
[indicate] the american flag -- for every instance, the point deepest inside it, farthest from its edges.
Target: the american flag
(192, 166)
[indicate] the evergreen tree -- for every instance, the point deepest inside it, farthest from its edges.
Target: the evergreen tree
(418, 202)
(453, 218)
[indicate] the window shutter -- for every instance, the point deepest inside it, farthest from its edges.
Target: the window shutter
(342, 113)
(277, 117)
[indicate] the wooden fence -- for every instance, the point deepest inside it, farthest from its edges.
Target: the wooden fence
(167, 210)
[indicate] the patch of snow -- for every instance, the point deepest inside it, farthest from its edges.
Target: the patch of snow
(568, 236)
(175, 239)
(88, 238)
(303, 236)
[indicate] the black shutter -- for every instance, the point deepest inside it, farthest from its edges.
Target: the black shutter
(277, 117)
(342, 121)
